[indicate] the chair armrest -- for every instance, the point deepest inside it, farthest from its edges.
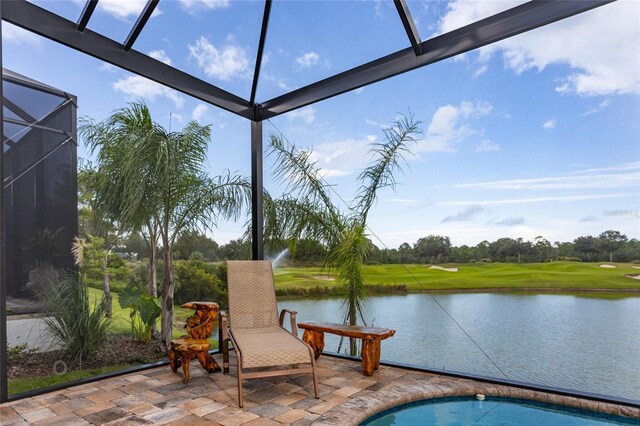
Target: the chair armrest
(294, 324)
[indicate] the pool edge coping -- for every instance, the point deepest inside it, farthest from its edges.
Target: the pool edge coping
(364, 406)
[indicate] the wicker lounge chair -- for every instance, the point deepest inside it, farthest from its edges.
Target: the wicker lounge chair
(255, 329)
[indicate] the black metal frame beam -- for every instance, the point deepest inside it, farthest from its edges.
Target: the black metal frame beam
(506, 24)
(140, 23)
(263, 36)
(4, 392)
(409, 25)
(18, 111)
(40, 21)
(89, 7)
(257, 196)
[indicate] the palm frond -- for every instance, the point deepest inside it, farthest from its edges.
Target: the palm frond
(301, 175)
(388, 158)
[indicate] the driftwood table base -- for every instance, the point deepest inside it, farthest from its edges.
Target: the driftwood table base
(183, 351)
(371, 337)
(199, 326)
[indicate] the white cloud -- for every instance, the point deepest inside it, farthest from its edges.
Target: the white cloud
(308, 59)
(341, 158)
(105, 66)
(593, 181)
(199, 111)
(224, 62)
(449, 126)
(487, 146)
(140, 87)
(375, 123)
(306, 114)
(480, 71)
(550, 124)
(161, 56)
(124, 9)
(358, 90)
(600, 45)
(601, 106)
(17, 35)
(634, 165)
(567, 198)
(193, 6)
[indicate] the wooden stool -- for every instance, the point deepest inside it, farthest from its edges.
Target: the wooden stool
(371, 337)
(199, 325)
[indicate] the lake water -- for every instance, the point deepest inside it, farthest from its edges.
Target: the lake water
(583, 343)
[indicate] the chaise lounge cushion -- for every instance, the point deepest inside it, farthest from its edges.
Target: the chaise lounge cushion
(271, 346)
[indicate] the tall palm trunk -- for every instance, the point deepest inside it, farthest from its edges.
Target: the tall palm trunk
(353, 348)
(106, 287)
(168, 285)
(152, 287)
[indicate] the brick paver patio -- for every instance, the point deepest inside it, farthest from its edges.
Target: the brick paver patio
(157, 396)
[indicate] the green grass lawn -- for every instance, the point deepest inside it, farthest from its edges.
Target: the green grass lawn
(552, 275)
(31, 383)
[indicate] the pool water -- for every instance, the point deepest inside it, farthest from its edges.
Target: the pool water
(494, 411)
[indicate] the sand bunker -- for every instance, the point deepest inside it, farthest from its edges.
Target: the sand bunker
(607, 266)
(635, 277)
(636, 267)
(440, 268)
(324, 277)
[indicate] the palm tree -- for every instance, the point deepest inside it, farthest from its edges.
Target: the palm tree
(307, 210)
(154, 180)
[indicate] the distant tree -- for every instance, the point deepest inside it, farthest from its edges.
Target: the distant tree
(462, 254)
(542, 248)
(308, 250)
(610, 242)
(405, 253)
(194, 241)
(239, 249)
(586, 247)
(482, 250)
(434, 248)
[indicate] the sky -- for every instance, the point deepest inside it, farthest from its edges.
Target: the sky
(537, 135)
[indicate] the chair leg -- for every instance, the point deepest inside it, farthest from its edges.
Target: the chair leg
(240, 399)
(313, 373)
(239, 371)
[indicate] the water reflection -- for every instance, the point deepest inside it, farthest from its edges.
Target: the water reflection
(588, 344)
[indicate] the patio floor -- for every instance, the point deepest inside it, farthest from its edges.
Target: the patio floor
(157, 396)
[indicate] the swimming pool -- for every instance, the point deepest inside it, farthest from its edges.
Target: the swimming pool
(465, 411)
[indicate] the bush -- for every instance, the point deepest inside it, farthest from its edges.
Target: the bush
(79, 329)
(569, 259)
(193, 283)
(139, 276)
(144, 311)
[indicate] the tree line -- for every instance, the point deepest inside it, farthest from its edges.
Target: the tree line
(609, 246)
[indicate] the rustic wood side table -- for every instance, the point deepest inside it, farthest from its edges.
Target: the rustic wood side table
(182, 351)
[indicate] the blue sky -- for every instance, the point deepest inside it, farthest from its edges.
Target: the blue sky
(535, 135)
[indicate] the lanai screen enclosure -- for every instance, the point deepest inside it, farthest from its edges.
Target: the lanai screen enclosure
(121, 53)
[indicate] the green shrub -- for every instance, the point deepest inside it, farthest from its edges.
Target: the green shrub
(193, 283)
(15, 353)
(139, 275)
(144, 311)
(74, 325)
